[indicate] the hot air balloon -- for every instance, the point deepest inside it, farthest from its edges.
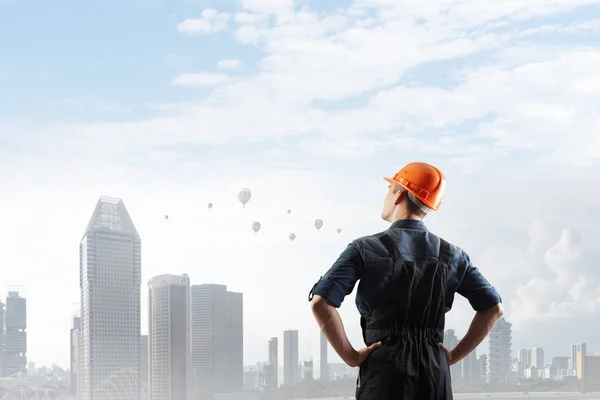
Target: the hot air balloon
(339, 230)
(318, 223)
(292, 236)
(244, 196)
(289, 211)
(256, 226)
(210, 205)
(166, 217)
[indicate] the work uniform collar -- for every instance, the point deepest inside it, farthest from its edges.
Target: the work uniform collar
(409, 224)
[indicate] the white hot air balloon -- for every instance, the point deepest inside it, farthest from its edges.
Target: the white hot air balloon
(244, 196)
(339, 230)
(318, 223)
(289, 211)
(292, 236)
(166, 217)
(256, 226)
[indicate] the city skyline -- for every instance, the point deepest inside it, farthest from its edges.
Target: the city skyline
(171, 314)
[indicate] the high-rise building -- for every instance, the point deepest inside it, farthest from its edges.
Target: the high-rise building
(580, 364)
(469, 368)
(144, 364)
(573, 358)
(15, 334)
(291, 367)
(217, 340)
(523, 362)
(110, 282)
(74, 356)
(168, 337)
(272, 372)
(2, 358)
(308, 370)
(450, 341)
(537, 357)
(499, 354)
(323, 363)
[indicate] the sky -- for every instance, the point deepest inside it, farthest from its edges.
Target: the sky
(173, 104)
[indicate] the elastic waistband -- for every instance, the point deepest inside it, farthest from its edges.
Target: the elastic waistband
(428, 334)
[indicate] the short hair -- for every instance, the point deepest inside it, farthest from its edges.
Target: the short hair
(413, 205)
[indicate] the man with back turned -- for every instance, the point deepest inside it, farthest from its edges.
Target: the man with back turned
(408, 278)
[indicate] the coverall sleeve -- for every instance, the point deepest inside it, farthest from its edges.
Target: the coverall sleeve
(475, 288)
(341, 278)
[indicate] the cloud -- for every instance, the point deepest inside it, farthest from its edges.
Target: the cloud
(211, 21)
(230, 64)
(551, 280)
(268, 6)
(201, 79)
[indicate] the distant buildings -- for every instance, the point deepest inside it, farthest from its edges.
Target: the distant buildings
(291, 367)
(168, 337)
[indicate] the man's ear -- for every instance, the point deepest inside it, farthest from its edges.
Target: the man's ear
(399, 197)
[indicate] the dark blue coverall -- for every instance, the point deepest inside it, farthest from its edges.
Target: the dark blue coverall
(408, 278)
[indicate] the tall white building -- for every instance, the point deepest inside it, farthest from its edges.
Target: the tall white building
(217, 340)
(110, 282)
(168, 337)
(291, 367)
(499, 353)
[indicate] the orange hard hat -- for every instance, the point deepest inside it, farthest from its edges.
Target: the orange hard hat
(424, 181)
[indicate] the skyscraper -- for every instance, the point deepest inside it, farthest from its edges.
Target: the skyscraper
(469, 371)
(74, 350)
(499, 355)
(15, 334)
(144, 364)
(272, 372)
(323, 363)
(2, 358)
(291, 368)
(110, 282)
(450, 341)
(168, 337)
(217, 340)
(580, 364)
(523, 362)
(537, 357)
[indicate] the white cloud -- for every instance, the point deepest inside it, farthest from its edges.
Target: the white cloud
(268, 6)
(564, 285)
(201, 79)
(230, 64)
(211, 21)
